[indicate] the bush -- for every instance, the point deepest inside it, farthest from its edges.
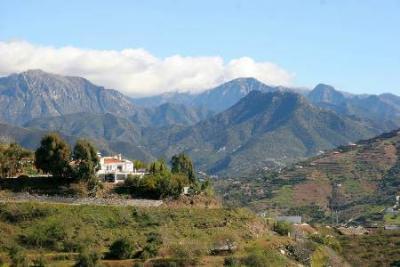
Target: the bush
(282, 228)
(48, 234)
(188, 250)
(18, 257)
(88, 259)
(14, 213)
(121, 249)
(39, 262)
(256, 259)
(316, 237)
(232, 261)
(152, 246)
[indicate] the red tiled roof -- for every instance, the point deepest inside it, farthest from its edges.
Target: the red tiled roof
(110, 161)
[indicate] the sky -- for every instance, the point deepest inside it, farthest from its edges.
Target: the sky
(144, 47)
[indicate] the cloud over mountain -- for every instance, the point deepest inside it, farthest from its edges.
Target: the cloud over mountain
(136, 71)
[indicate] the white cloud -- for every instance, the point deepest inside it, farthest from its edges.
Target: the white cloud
(136, 71)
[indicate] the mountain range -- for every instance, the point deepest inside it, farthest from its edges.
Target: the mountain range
(230, 130)
(382, 110)
(261, 129)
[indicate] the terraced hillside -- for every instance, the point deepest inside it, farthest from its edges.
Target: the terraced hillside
(358, 180)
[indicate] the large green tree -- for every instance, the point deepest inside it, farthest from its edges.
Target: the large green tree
(53, 156)
(86, 162)
(181, 163)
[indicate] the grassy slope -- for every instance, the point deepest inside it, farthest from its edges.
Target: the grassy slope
(379, 249)
(58, 231)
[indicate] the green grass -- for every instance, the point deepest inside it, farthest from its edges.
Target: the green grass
(65, 229)
(392, 219)
(377, 249)
(284, 196)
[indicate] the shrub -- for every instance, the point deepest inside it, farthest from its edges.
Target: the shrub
(282, 228)
(121, 249)
(49, 234)
(319, 258)
(231, 261)
(39, 262)
(152, 246)
(18, 257)
(14, 213)
(317, 238)
(188, 250)
(88, 259)
(332, 242)
(256, 259)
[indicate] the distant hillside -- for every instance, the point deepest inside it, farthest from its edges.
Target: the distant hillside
(37, 94)
(112, 141)
(262, 129)
(168, 114)
(96, 126)
(367, 176)
(381, 110)
(216, 99)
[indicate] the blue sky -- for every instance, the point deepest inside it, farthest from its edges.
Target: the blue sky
(353, 45)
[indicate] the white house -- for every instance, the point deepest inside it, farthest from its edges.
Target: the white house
(116, 169)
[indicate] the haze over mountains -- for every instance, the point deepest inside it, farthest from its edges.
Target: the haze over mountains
(231, 129)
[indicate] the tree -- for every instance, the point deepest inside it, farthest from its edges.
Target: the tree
(86, 158)
(53, 156)
(282, 227)
(86, 162)
(139, 165)
(159, 167)
(181, 163)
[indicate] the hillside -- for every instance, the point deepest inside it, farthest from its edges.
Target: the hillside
(158, 236)
(37, 94)
(216, 99)
(169, 114)
(262, 129)
(366, 175)
(381, 110)
(30, 137)
(95, 126)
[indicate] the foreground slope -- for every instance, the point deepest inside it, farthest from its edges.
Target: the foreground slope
(185, 236)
